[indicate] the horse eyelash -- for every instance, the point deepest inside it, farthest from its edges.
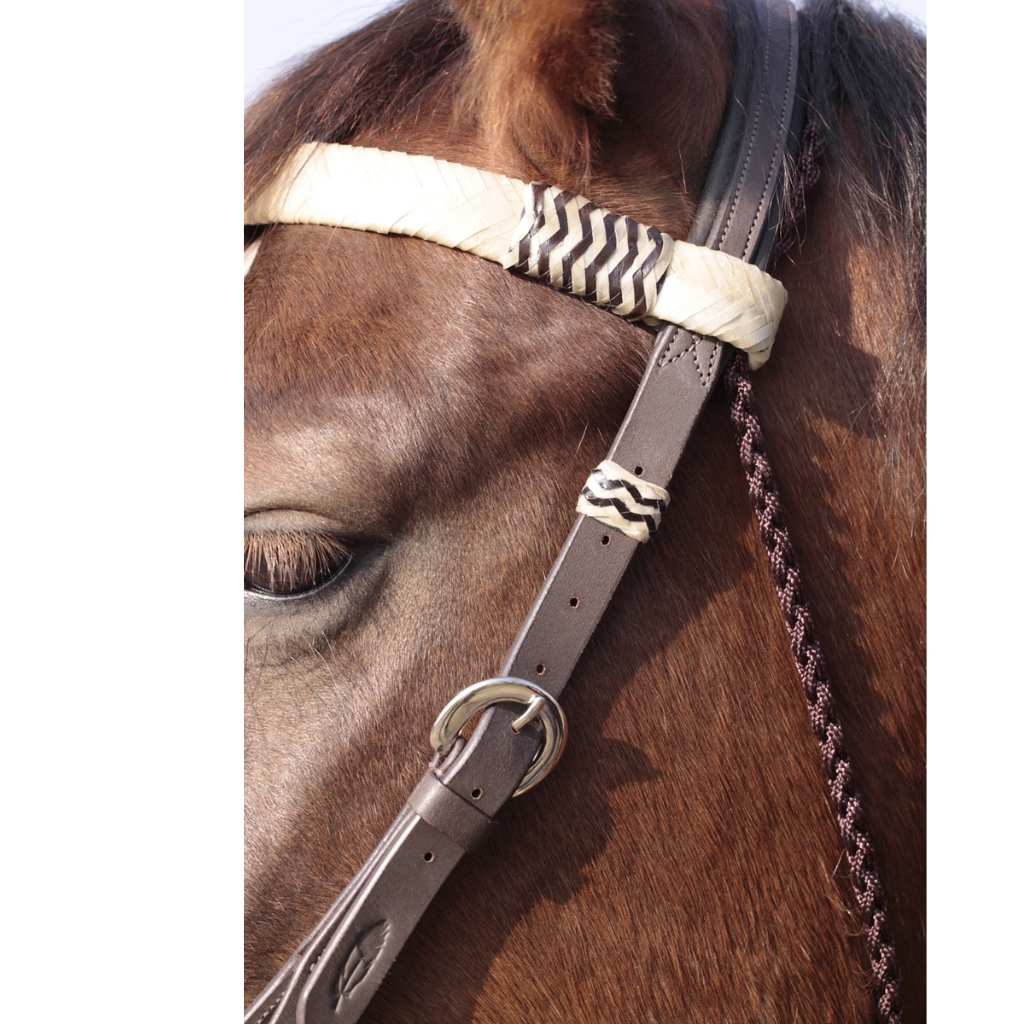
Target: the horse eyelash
(292, 560)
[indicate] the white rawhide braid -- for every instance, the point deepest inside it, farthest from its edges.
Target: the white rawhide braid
(565, 240)
(623, 501)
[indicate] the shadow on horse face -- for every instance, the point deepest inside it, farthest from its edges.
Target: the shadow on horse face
(433, 417)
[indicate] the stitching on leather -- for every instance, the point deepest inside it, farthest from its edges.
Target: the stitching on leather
(323, 949)
(778, 140)
(270, 1009)
(690, 346)
(738, 191)
(682, 352)
(706, 378)
(753, 135)
(696, 366)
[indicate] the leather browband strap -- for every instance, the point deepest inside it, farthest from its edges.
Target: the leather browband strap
(334, 974)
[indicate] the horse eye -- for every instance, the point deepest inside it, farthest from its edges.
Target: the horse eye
(288, 563)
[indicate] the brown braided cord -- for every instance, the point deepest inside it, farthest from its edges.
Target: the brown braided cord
(785, 573)
(804, 177)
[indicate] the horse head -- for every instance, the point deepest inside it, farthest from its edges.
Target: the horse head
(418, 425)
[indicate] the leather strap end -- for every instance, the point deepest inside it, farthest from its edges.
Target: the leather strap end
(446, 811)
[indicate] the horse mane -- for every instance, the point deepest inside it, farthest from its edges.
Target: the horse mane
(867, 88)
(871, 66)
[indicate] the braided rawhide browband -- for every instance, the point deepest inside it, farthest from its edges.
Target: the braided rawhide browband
(565, 240)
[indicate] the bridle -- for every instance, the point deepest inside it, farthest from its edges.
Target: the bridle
(337, 969)
(339, 966)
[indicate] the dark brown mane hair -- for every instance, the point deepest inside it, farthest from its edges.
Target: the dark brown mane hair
(868, 89)
(871, 66)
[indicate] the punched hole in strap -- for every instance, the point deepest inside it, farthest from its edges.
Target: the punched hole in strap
(449, 813)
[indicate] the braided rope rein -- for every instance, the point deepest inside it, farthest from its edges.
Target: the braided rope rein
(785, 572)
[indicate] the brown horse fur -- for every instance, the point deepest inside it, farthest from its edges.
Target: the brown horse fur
(436, 416)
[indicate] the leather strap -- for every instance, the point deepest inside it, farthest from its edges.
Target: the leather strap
(334, 974)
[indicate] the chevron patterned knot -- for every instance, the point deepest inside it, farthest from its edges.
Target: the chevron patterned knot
(569, 243)
(623, 501)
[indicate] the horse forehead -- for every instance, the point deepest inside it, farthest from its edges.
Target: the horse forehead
(341, 322)
(381, 327)
(373, 361)
(310, 270)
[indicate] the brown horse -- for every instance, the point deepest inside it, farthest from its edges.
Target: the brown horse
(418, 425)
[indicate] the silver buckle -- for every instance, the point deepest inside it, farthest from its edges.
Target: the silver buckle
(540, 705)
